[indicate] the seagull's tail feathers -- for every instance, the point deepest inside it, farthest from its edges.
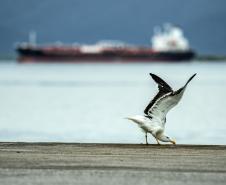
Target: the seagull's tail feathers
(137, 119)
(131, 118)
(140, 121)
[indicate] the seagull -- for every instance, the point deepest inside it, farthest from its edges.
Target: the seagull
(154, 118)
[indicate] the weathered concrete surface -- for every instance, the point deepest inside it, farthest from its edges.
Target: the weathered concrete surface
(64, 163)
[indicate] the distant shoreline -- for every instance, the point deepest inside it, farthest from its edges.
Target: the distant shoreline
(211, 57)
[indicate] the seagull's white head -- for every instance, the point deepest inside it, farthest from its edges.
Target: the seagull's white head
(165, 138)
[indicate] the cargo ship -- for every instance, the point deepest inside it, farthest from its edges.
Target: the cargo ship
(168, 44)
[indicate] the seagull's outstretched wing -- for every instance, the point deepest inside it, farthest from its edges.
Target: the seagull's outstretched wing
(165, 102)
(163, 87)
(184, 87)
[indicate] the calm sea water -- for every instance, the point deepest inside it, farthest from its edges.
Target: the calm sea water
(88, 102)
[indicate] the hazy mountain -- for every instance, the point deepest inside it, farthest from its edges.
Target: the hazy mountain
(87, 21)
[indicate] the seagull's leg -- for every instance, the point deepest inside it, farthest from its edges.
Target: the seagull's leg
(157, 141)
(146, 138)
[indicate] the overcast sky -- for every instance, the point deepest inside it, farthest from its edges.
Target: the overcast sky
(132, 21)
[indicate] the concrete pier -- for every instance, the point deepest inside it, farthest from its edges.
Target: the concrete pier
(111, 164)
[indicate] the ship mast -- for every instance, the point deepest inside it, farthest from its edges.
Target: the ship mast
(32, 38)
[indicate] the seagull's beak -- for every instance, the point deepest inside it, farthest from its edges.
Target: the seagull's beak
(173, 142)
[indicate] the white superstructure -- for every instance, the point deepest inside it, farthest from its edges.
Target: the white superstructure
(103, 44)
(170, 38)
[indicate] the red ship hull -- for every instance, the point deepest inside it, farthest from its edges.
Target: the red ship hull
(73, 54)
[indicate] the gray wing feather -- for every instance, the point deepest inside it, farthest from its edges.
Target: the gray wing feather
(163, 87)
(162, 105)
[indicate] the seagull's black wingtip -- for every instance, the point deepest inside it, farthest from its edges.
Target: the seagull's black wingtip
(192, 76)
(190, 79)
(152, 75)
